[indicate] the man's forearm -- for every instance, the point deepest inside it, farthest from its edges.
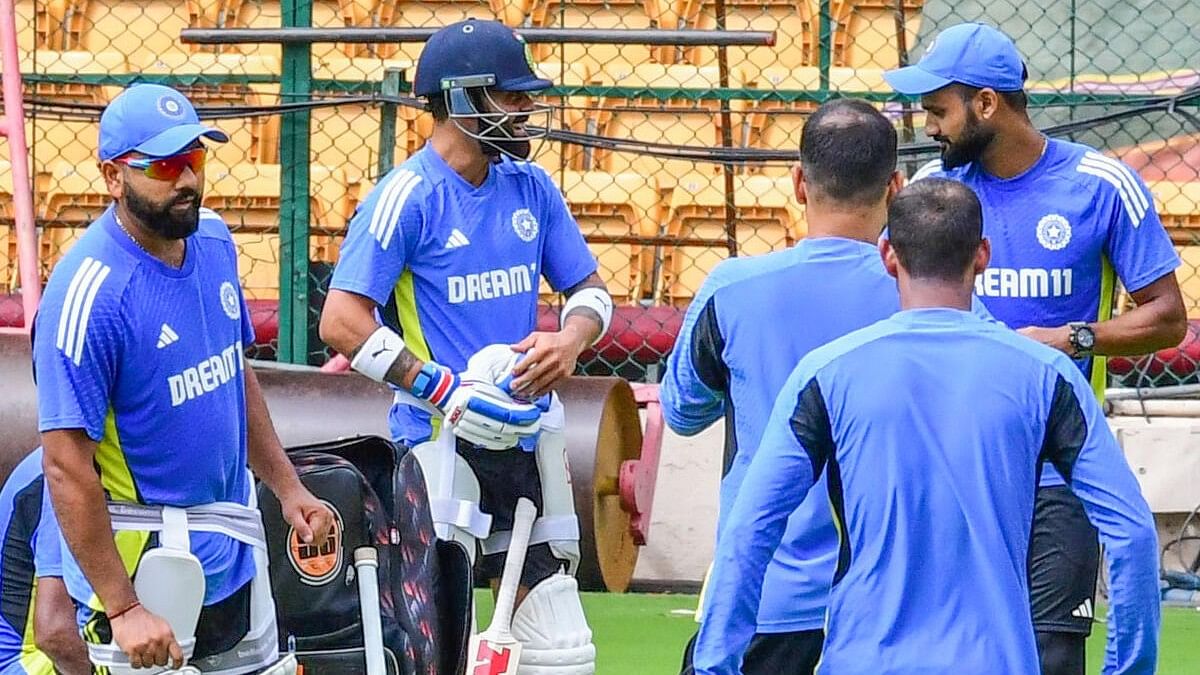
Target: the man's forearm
(265, 453)
(1142, 330)
(82, 511)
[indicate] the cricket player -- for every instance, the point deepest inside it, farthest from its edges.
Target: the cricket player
(754, 319)
(931, 427)
(436, 291)
(1065, 223)
(38, 635)
(149, 417)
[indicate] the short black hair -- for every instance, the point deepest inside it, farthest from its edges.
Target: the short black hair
(848, 151)
(437, 106)
(935, 225)
(1017, 100)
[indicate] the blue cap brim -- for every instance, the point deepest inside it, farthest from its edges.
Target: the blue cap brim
(177, 138)
(913, 81)
(526, 84)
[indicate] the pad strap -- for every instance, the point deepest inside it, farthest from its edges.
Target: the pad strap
(462, 514)
(546, 528)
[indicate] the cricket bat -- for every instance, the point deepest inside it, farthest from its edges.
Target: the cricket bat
(495, 651)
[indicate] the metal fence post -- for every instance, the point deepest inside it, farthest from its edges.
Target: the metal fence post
(295, 129)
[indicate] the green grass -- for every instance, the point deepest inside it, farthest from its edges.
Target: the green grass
(643, 634)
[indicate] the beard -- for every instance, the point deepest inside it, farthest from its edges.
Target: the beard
(161, 218)
(969, 148)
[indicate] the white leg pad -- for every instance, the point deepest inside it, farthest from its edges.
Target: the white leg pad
(558, 498)
(554, 633)
(458, 511)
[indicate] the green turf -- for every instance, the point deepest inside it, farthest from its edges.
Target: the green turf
(644, 634)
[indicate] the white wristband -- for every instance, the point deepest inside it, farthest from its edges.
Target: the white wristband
(596, 299)
(376, 356)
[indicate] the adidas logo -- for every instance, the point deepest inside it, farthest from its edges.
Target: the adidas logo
(167, 336)
(1084, 610)
(457, 239)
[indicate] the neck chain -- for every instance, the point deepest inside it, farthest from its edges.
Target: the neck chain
(130, 235)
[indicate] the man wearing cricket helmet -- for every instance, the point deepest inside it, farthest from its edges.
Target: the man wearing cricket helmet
(436, 293)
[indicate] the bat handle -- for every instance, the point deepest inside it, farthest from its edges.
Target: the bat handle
(514, 563)
(366, 564)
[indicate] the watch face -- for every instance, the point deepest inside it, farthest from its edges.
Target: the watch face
(1085, 338)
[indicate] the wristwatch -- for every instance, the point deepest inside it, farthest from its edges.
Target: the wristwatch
(1082, 339)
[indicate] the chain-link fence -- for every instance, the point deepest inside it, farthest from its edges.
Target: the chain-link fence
(1102, 72)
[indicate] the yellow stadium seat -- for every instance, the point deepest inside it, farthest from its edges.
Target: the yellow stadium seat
(765, 216)
(439, 13)
(770, 124)
(678, 121)
(793, 21)
(248, 136)
(247, 197)
(8, 243)
(864, 32)
(50, 138)
(132, 27)
(623, 205)
(629, 14)
(75, 195)
(1178, 204)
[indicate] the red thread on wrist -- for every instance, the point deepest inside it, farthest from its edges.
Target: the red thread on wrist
(116, 615)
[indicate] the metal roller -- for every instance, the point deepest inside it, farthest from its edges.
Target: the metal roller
(612, 477)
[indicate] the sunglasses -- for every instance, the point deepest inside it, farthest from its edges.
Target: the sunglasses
(167, 168)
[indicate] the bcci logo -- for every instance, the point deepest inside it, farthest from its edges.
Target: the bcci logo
(170, 106)
(319, 562)
(528, 52)
(1053, 232)
(229, 301)
(524, 224)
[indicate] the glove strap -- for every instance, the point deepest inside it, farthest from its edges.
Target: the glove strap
(435, 384)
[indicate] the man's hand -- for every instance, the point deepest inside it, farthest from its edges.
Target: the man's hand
(309, 516)
(550, 357)
(147, 639)
(1059, 338)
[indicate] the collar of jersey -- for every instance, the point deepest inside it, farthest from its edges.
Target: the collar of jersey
(1019, 181)
(434, 162)
(109, 221)
(934, 316)
(836, 247)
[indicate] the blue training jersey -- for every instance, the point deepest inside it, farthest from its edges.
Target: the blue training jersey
(751, 322)
(31, 548)
(455, 267)
(147, 360)
(930, 427)
(1059, 231)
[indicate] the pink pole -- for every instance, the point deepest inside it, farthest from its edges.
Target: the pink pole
(13, 126)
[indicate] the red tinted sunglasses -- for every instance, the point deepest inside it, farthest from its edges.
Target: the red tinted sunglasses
(167, 168)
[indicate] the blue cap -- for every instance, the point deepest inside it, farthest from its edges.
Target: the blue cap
(477, 47)
(970, 53)
(153, 120)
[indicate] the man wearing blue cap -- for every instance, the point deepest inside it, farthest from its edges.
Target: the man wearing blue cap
(436, 293)
(1065, 222)
(149, 417)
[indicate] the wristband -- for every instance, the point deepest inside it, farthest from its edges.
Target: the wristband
(376, 356)
(116, 615)
(434, 383)
(596, 299)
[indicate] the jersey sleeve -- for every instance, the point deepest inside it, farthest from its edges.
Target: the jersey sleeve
(794, 450)
(47, 545)
(696, 381)
(77, 346)
(1137, 245)
(1083, 449)
(379, 236)
(566, 259)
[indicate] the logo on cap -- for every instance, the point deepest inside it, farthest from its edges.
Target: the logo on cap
(930, 48)
(528, 52)
(170, 106)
